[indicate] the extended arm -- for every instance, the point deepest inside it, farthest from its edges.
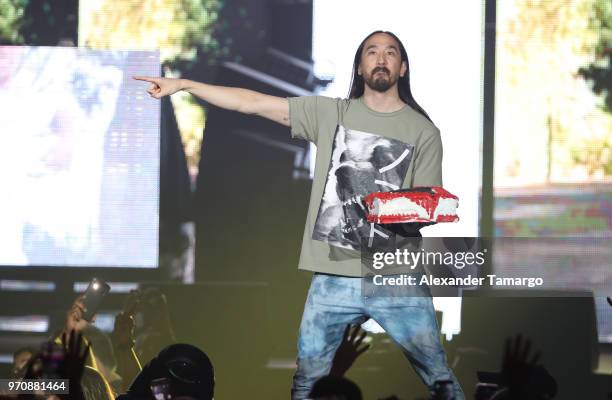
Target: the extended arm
(128, 365)
(236, 99)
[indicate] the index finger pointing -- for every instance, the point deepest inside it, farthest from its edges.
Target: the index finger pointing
(145, 78)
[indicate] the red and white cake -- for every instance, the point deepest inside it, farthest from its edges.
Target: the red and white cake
(422, 204)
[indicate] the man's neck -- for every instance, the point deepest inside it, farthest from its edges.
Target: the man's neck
(384, 102)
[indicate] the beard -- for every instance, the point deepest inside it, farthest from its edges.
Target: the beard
(380, 82)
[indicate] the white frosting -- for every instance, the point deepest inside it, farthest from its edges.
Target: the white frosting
(446, 206)
(405, 206)
(399, 206)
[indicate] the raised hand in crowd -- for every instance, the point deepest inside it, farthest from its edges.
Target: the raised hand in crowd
(65, 361)
(33, 370)
(517, 361)
(74, 317)
(21, 357)
(350, 349)
(128, 365)
(123, 330)
(524, 378)
(156, 332)
(73, 362)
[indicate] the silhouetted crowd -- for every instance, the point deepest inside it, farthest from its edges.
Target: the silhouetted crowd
(123, 365)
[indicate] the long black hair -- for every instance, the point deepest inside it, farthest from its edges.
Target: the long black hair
(403, 83)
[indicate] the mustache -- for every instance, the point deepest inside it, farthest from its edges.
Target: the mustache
(381, 69)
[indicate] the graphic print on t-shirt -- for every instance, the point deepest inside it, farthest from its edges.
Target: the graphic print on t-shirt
(361, 163)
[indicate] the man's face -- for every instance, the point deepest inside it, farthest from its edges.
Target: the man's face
(381, 63)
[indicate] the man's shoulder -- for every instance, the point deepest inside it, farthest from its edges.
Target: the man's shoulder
(320, 100)
(322, 105)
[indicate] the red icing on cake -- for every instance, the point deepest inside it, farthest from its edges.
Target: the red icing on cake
(427, 198)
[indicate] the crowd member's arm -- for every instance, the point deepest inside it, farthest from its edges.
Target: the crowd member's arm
(235, 99)
(71, 366)
(76, 352)
(72, 340)
(75, 322)
(128, 364)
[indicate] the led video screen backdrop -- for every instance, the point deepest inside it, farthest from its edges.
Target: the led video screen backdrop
(553, 137)
(79, 158)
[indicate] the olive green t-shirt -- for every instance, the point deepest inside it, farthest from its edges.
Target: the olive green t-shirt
(359, 151)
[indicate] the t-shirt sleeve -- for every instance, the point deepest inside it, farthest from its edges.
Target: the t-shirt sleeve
(303, 117)
(428, 161)
(308, 113)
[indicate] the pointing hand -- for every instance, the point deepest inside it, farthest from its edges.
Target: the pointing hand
(160, 87)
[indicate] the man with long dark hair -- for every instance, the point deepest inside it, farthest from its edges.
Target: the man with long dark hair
(379, 139)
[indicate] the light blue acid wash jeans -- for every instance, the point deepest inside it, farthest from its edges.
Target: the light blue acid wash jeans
(335, 301)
